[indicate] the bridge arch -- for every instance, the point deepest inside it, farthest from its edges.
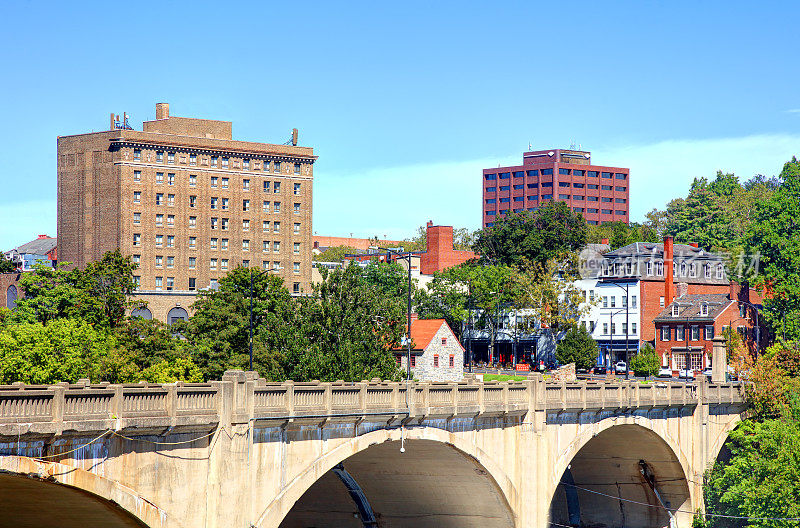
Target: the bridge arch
(602, 476)
(363, 449)
(50, 493)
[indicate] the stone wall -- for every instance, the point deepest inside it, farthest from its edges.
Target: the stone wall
(426, 370)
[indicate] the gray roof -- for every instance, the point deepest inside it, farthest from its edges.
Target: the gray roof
(40, 246)
(657, 249)
(690, 306)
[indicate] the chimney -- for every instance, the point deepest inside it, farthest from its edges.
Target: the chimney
(414, 317)
(43, 237)
(162, 111)
(682, 289)
(430, 223)
(604, 241)
(669, 287)
(694, 244)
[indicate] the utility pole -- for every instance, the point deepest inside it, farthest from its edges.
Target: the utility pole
(251, 318)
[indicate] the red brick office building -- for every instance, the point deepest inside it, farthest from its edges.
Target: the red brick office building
(599, 193)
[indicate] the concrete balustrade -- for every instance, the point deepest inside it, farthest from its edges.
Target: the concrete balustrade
(241, 397)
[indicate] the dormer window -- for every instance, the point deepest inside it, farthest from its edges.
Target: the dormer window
(719, 271)
(676, 311)
(683, 269)
(704, 309)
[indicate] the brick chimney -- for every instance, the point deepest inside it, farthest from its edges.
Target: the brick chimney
(694, 244)
(162, 111)
(604, 241)
(682, 289)
(669, 286)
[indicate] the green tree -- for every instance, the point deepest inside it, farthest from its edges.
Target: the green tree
(335, 254)
(346, 330)
(6, 266)
(389, 279)
(577, 347)
(533, 237)
(774, 236)
(178, 369)
(646, 362)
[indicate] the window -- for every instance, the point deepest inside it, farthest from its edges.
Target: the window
(296, 188)
(296, 290)
(224, 224)
(192, 262)
(704, 309)
(192, 283)
(719, 271)
(296, 267)
(192, 242)
(214, 161)
(680, 333)
(276, 266)
(170, 241)
(266, 246)
(563, 197)
(171, 200)
(613, 328)
(297, 168)
(605, 199)
(277, 166)
(245, 245)
(613, 301)
(246, 185)
(707, 270)
(265, 207)
(436, 360)
(171, 179)
(633, 328)
(683, 268)
(563, 171)
(665, 331)
(159, 177)
(621, 176)
(624, 301)
(212, 264)
(214, 222)
(159, 219)
(137, 218)
(491, 189)
(276, 227)
(137, 196)
(605, 302)
(246, 164)
(245, 205)
(620, 200)
(224, 244)
(633, 301)
(490, 177)
(245, 225)
(276, 187)
(276, 247)
(505, 187)
(660, 270)
(213, 283)
(225, 162)
(137, 176)
(223, 264)
(192, 180)
(413, 361)
(245, 263)
(136, 259)
(137, 154)
(265, 186)
(171, 158)
(649, 268)
(296, 228)
(192, 159)
(296, 248)
(265, 226)
(170, 262)
(192, 222)
(266, 166)
(620, 189)
(193, 201)
(605, 328)
(624, 328)
(661, 301)
(159, 282)
(159, 156)
(695, 333)
(676, 311)
(214, 200)
(137, 281)
(296, 208)
(452, 361)
(159, 261)
(213, 243)
(224, 182)
(709, 332)
(505, 175)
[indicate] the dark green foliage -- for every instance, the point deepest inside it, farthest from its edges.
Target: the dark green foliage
(646, 362)
(536, 237)
(6, 266)
(335, 254)
(577, 347)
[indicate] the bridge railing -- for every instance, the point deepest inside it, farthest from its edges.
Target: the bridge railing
(242, 397)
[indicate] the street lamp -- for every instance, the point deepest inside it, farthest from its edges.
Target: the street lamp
(627, 324)
(408, 327)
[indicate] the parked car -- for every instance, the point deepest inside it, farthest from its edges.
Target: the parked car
(601, 370)
(665, 372)
(620, 367)
(687, 374)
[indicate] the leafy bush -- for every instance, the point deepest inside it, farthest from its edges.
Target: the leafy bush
(646, 362)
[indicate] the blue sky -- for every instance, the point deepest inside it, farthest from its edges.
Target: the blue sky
(405, 102)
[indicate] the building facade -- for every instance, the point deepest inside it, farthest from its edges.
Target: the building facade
(43, 250)
(599, 193)
(187, 202)
(436, 354)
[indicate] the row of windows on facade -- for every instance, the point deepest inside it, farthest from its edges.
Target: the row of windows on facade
(169, 242)
(590, 222)
(618, 212)
(590, 296)
(169, 262)
(680, 333)
(219, 161)
(549, 172)
(604, 199)
(217, 203)
(399, 360)
(215, 223)
(218, 182)
(655, 268)
(593, 325)
(159, 283)
(549, 185)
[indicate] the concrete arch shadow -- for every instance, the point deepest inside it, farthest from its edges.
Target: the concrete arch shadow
(437, 474)
(604, 478)
(36, 493)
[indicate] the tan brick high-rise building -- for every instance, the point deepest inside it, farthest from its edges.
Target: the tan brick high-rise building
(187, 202)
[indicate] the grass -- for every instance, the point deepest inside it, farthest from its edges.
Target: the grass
(503, 377)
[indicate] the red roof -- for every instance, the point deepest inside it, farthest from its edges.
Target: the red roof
(423, 330)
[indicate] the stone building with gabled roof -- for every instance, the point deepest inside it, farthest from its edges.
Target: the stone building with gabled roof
(436, 354)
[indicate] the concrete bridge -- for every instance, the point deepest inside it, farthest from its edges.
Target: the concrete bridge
(245, 453)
